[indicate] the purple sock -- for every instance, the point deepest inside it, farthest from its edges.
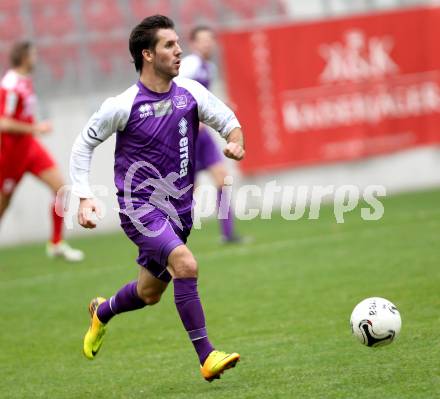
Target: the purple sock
(225, 216)
(190, 310)
(125, 300)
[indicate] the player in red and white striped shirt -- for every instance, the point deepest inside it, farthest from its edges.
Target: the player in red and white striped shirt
(20, 151)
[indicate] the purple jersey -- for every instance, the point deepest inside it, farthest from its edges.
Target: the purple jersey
(161, 130)
(195, 67)
(155, 144)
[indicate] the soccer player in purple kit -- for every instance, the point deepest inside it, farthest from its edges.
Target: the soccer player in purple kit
(198, 66)
(156, 122)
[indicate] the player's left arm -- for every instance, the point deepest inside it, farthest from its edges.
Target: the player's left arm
(217, 115)
(235, 144)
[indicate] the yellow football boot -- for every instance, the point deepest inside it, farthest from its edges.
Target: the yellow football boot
(216, 363)
(95, 334)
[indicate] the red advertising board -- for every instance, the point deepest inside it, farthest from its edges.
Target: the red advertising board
(336, 90)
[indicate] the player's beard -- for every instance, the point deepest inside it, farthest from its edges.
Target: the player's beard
(166, 72)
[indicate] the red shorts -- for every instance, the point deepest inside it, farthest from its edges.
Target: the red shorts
(15, 160)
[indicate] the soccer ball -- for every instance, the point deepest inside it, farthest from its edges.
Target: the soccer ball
(375, 322)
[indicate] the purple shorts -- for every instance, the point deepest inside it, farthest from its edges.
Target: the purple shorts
(207, 152)
(155, 248)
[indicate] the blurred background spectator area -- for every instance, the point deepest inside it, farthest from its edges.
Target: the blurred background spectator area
(86, 41)
(81, 41)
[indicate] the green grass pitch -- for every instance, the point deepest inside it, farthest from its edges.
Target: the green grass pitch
(283, 302)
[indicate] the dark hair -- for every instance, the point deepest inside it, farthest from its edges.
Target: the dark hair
(19, 52)
(195, 31)
(143, 36)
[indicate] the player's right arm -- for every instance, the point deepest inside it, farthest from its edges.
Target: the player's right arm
(8, 107)
(103, 123)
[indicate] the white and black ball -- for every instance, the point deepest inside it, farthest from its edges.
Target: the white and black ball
(375, 322)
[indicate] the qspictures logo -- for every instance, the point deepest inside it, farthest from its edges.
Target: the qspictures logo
(162, 188)
(251, 201)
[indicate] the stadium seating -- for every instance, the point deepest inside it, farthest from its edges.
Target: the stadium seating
(54, 58)
(11, 24)
(98, 54)
(138, 8)
(52, 18)
(102, 16)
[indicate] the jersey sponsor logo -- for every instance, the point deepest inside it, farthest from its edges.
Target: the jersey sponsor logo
(162, 108)
(145, 110)
(183, 150)
(180, 101)
(183, 126)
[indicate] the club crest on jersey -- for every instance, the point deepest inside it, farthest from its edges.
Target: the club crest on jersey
(180, 101)
(145, 110)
